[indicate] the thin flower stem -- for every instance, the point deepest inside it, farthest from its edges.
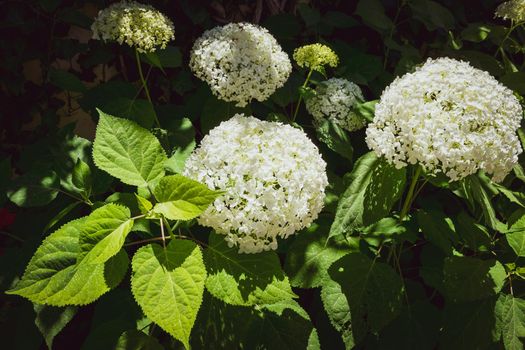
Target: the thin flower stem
(154, 239)
(162, 233)
(410, 195)
(145, 85)
(391, 34)
(511, 29)
(8, 234)
(301, 96)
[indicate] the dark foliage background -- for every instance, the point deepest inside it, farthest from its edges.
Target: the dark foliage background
(53, 76)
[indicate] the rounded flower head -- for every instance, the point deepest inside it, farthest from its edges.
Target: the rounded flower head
(273, 177)
(240, 62)
(513, 10)
(335, 100)
(448, 117)
(315, 57)
(138, 25)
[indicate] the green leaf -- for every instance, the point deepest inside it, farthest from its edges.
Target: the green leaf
(469, 325)
(475, 32)
(168, 284)
(366, 110)
(468, 279)
(103, 233)
(54, 277)
(374, 292)
(169, 57)
(476, 236)
(516, 236)
(180, 198)
(372, 13)
(284, 325)
(137, 340)
(480, 190)
(56, 219)
(310, 16)
(81, 177)
(339, 19)
(515, 197)
(510, 317)
(182, 134)
(335, 138)
(144, 205)
(432, 14)
(66, 80)
(336, 306)
(50, 320)
(417, 327)
(34, 189)
(138, 110)
(515, 81)
(437, 229)
(244, 279)
(374, 187)
(311, 254)
(114, 313)
(127, 151)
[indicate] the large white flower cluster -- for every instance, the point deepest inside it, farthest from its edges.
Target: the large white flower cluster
(448, 117)
(335, 100)
(240, 62)
(140, 26)
(273, 177)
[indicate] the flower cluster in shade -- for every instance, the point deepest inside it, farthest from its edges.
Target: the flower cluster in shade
(315, 57)
(448, 117)
(137, 25)
(240, 62)
(513, 10)
(273, 177)
(335, 100)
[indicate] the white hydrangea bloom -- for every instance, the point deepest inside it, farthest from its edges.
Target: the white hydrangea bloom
(513, 10)
(335, 100)
(449, 117)
(140, 26)
(240, 62)
(273, 177)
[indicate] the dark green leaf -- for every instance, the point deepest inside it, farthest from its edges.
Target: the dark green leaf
(469, 325)
(510, 317)
(374, 187)
(137, 340)
(372, 13)
(311, 254)
(66, 81)
(373, 289)
(432, 14)
(35, 188)
(469, 279)
(515, 81)
(438, 229)
(169, 57)
(81, 177)
(50, 320)
(335, 138)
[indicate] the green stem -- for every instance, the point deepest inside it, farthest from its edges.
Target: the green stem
(145, 86)
(410, 195)
(391, 34)
(511, 29)
(12, 236)
(162, 233)
(301, 96)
